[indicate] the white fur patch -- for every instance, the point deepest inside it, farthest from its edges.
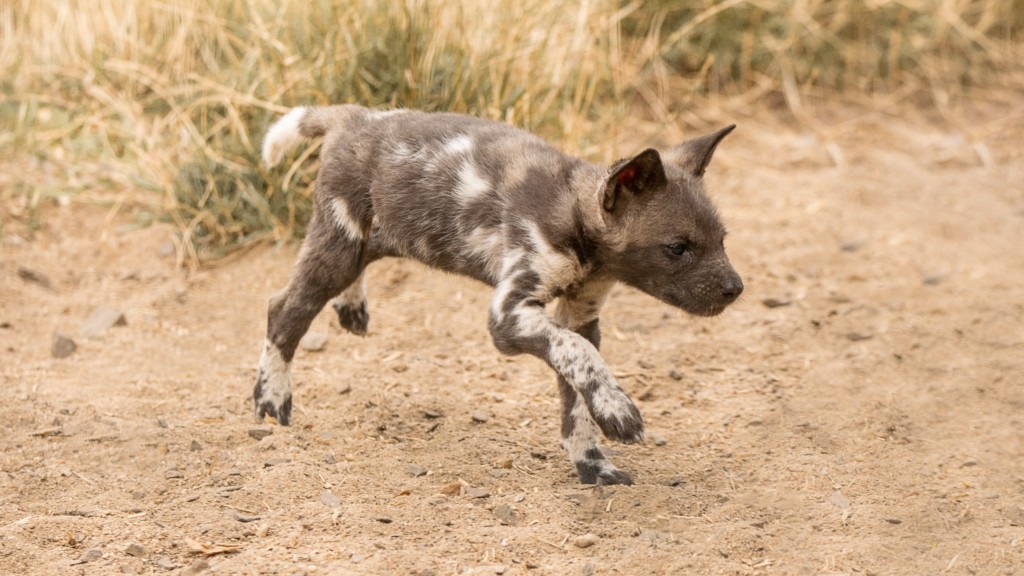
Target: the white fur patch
(422, 248)
(584, 432)
(471, 184)
(486, 244)
(574, 313)
(277, 377)
(553, 267)
(508, 280)
(459, 145)
(343, 219)
(610, 402)
(354, 295)
(283, 136)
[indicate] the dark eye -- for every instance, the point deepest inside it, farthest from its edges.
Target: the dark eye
(678, 248)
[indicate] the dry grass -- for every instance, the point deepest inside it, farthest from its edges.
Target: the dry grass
(161, 105)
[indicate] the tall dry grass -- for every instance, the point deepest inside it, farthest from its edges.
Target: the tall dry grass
(161, 105)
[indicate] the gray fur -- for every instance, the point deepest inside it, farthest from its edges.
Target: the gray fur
(491, 202)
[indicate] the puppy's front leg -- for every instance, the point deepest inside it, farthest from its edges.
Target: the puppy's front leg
(519, 324)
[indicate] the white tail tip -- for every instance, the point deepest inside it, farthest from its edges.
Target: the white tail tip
(283, 136)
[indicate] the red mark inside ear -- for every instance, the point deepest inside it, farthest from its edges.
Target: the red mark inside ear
(627, 175)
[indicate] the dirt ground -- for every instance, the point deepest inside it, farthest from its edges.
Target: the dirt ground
(859, 411)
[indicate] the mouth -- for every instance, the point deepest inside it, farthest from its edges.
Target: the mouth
(707, 311)
(694, 306)
(704, 308)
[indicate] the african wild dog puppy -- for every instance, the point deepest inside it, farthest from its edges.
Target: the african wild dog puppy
(494, 203)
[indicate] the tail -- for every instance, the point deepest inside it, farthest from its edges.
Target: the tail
(283, 136)
(301, 123)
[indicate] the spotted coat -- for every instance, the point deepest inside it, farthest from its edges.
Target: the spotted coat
(497, 204)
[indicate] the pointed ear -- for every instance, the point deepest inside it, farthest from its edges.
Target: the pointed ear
(633, 176)
(693, 156)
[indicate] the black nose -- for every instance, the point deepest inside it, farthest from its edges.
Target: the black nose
(732, 288)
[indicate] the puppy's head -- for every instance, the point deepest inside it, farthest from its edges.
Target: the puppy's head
(661, 232)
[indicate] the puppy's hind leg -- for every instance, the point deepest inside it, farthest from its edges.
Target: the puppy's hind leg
(351, 307)
(331, 259)
(351, 304)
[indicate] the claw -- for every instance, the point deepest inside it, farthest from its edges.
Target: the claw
(282, 414)
(266, 406)
(627, 427)
(355, 319)
(601, 472)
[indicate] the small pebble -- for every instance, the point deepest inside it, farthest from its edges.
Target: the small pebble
(504, 513)
(837, 499)
(858, 336)
(453, 489)
(198, 566)
(432, 414)
(100, 320)
(161, 421)
(244, 517)
(330, 500)
(29, 275)
(585, 541)
(416, 470)
(172, 473)
(167, 564)
(659, 440)
(478, 492)
(195, 447)
(260, 433)
(480, 417)
(344, 388)
(90, 556)
(383, 519)
(276, 462)
(262, 530)
(675, 374)
(62, 346)
(1015, 514)
(775, 302)
(136, 550)
(313, 341)
(894, 521)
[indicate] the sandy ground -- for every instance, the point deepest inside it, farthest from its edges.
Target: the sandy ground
(869, 422)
